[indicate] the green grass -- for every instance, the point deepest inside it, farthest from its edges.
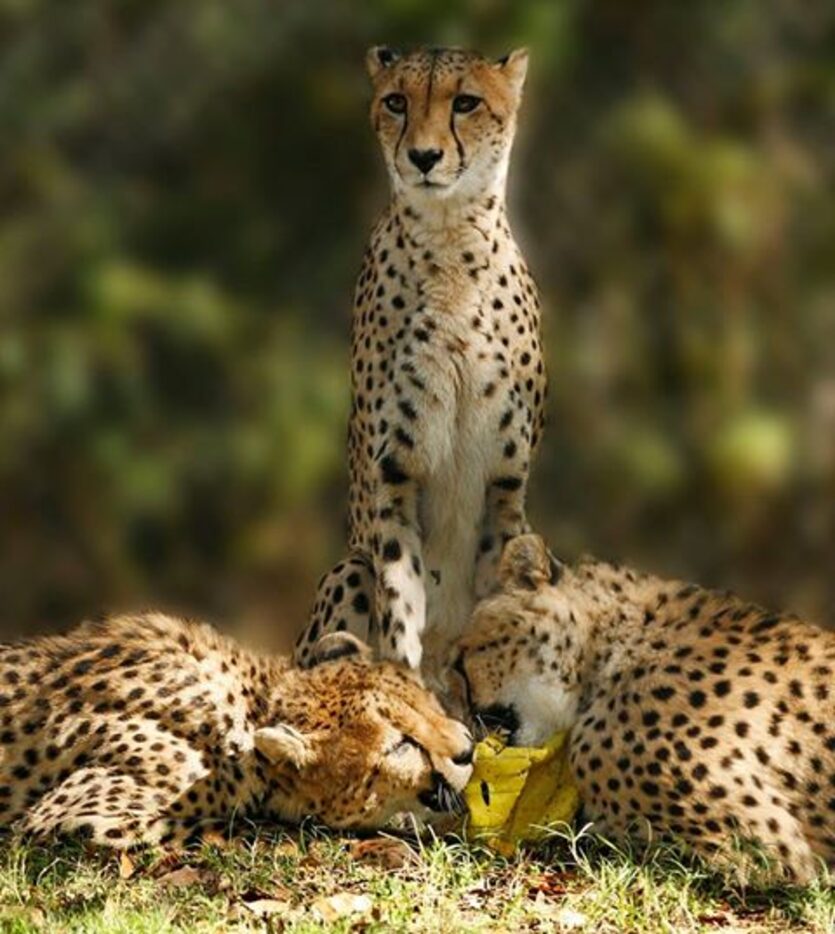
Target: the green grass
(310, 881)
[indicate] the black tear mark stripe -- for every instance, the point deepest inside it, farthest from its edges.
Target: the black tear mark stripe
(452, 130)
(402, 131)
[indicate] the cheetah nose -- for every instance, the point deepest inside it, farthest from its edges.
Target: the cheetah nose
(425, 159)
(465, 757)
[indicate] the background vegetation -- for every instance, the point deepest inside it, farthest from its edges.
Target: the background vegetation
(185, 192)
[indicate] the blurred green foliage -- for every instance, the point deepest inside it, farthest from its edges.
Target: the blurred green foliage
(185, 193)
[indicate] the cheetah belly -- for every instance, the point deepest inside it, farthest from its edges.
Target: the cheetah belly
(461, 445)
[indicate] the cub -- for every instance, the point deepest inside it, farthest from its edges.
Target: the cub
(447, 376)
(693, 714)
(145, 729)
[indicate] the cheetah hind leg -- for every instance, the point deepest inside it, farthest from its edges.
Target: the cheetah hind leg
(763, 858)
(344, 603)
(751, 857)
(117, 810)
(105, 806)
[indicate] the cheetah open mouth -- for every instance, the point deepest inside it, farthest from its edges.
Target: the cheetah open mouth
(442, 797)
(498, 718)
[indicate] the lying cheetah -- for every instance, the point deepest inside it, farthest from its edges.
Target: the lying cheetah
(447, 374)
(149, 729)
(694, 714)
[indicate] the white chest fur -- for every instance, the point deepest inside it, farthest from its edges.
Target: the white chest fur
(462, 453)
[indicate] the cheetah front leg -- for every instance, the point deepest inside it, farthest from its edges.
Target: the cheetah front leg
(400, 596)
(344, 603)
(504, 518)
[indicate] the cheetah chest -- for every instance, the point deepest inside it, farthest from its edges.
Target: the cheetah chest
(465, 400)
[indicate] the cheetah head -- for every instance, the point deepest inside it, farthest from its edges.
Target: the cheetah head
(445, 119)
(360, 741)
(521, 663)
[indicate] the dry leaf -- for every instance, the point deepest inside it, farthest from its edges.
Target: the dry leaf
(571, 920)
(264, 907)
(287, 847)
(127, 867)
(278, 892)
(217, 839)
(281, 892)
(315, 857)
(384, 852)
(476, 897)
(165, 863)
(550, 884)
(333, 907)
(185, 875)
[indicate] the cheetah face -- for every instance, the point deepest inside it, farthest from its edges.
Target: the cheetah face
(368, 741)
(445, 118)
(520, 663)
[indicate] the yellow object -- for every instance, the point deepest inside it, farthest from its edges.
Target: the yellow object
(517, 792)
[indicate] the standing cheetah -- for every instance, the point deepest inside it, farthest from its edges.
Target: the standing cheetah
(447, 374)
(694, 715)
(149, 729)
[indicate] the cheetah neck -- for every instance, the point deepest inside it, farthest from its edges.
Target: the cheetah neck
(453, 250)
(287, 692)
(614, 626)
(449, 228)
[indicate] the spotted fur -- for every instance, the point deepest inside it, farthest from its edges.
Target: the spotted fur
(151, 729)
(694, 714)
(448, 380)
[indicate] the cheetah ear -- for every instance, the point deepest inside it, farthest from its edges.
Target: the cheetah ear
(284, 743)
(336, 645)
(514, 66)
(527, 564)
(379, 57)
(557, 567)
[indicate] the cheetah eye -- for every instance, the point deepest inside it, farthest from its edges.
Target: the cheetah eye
(465, 103)
(401, 747)
(396, 103)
